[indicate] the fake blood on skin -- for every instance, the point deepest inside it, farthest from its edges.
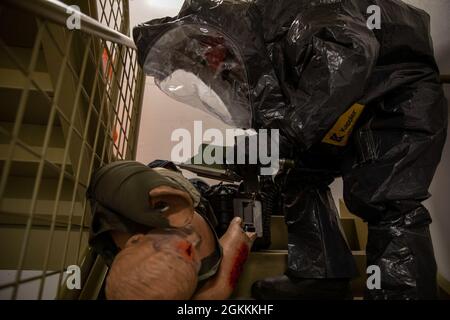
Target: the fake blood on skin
(186, 249)
(238, 265)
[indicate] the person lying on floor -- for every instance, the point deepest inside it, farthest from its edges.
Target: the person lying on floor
(147, 228)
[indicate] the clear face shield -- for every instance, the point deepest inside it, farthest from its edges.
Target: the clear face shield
(200, 67)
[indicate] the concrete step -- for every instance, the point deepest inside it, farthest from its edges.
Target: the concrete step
(11, 239)
(33, 135)
(15, 79)
(25, 162)
(37, 109)
(17, 206)
(44, 221)
(23, 56)
(29, 169)
(11, 74)
(54, 155)
(271, 263)
(22, 188)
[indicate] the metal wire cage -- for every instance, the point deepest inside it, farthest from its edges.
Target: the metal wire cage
(70, 101)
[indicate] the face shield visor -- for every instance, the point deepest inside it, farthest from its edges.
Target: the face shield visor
(200, 67)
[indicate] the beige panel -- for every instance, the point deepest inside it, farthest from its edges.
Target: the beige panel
(279, 236)
(361, 226)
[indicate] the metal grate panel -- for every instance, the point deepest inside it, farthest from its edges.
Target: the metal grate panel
(70, 102)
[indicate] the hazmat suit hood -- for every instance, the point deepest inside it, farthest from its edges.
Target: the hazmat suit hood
(225, 58)
(211, 56)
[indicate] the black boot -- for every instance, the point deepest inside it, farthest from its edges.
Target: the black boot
(288, 288)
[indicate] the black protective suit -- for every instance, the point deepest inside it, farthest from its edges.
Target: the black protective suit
(349, 101)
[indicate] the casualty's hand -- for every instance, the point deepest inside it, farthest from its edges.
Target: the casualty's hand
(236, 245)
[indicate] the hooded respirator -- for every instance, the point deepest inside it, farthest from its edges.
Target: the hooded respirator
(198, 67)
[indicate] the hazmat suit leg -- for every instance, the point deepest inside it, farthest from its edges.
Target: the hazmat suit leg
(389, 197)
(396, 152)
(320, 264)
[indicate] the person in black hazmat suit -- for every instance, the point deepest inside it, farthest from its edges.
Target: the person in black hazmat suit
(349, 101)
